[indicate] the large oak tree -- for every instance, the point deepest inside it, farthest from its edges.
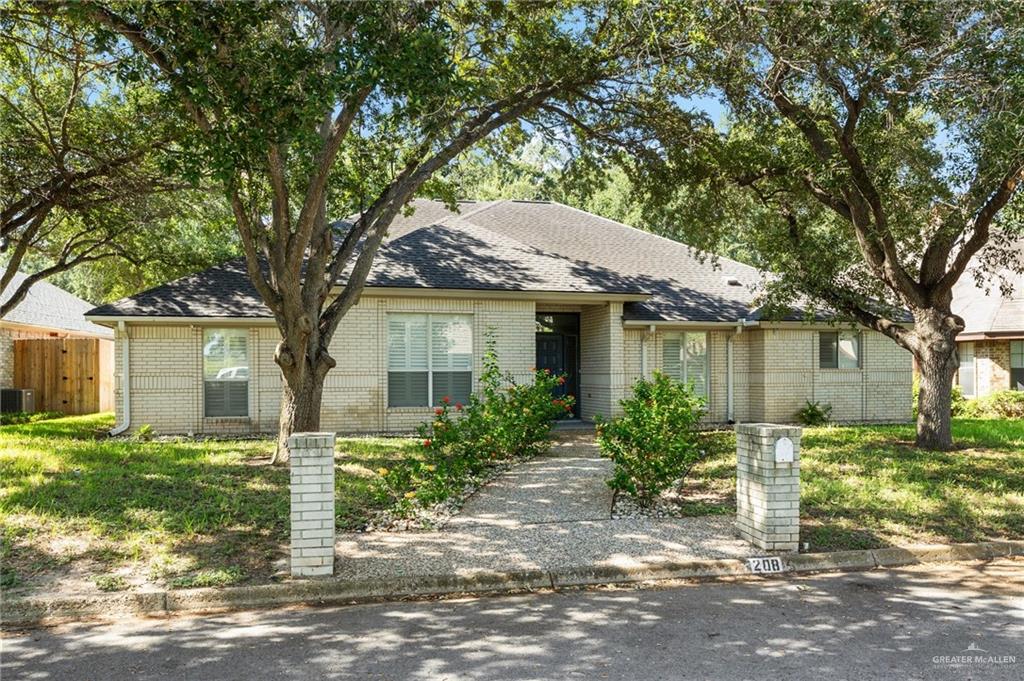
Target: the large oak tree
(876, 148)
(78, 152)
(309, 111)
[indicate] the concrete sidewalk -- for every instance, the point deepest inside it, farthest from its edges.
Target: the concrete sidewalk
(550, 513)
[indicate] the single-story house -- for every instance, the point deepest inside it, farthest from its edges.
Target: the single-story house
(551, 286)
(48, 346)
(991, 346)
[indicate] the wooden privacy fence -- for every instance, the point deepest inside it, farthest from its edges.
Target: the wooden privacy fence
(70, 375)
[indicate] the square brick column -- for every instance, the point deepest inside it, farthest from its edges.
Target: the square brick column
(768, 485)
(312, 488)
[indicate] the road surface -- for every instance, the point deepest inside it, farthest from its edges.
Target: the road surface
(914, 623)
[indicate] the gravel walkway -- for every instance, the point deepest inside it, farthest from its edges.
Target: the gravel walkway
(470, 549)
(545, 490)
(549, 513)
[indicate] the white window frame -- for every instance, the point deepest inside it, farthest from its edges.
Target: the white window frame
(1019, 357)
(244, 333)
(430, 354)
(684, 364)
(973, 388)
(858, 338)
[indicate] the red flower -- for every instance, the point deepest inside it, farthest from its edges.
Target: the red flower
(439, 411)
(458, 406)
(561, 380)
(427, 442)
(446, 399)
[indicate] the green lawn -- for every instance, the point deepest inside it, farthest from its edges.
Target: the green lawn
(866, 486)
(74, 504)
(112, 514)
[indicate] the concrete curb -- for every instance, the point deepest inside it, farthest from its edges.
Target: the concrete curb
(20, 612)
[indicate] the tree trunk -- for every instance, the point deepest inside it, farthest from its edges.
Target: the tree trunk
(937, 361)
(301, 396)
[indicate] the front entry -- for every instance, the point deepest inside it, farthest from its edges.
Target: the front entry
(558, 350)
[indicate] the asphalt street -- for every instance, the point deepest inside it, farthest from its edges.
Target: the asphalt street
(936, 622)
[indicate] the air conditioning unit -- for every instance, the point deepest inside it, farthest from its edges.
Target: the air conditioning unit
(17, 400)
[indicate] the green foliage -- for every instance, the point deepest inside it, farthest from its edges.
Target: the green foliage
(1003, 404)
(207, 578)
(110, 582)
(145, 433)
(161, 510)
(654, 444)
(12, 418)
(506, 421)
(862, 487)
(814, 414)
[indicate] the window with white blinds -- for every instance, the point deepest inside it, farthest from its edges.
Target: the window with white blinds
(685, 358)
(225, 373)
(430, 357)
(839, 350)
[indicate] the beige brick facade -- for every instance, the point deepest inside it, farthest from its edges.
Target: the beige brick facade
(991, 366)
(775, 370)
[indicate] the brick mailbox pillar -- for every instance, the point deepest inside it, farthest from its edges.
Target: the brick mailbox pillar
(312, 511)
(768, 485)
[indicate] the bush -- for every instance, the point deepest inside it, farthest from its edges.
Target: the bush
(1004, 404)
(21, 417)
(815, 414)
(508, 420)
(654, 443)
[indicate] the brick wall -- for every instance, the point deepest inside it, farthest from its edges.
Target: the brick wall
(775, 370)
(6, 359)
(992, 366)
(602, 375)
(167, 386)
(785, 374)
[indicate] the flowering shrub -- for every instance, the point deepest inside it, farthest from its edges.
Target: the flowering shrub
(654, 443)
(508, 420)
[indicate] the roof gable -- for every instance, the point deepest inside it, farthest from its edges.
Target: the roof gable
(48, 306)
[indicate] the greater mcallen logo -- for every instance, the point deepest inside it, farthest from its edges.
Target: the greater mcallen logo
(973, 655)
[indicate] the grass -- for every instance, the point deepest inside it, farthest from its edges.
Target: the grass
(116, 513)
(177, 513)
(867, 486)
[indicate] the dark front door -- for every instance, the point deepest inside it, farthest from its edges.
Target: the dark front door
(558, 351)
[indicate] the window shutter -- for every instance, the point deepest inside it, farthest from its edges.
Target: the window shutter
(407, 342)
(451, 343)
(671, 347)
(828, 350)
(455, 385)
(237, 398)
(407, 388)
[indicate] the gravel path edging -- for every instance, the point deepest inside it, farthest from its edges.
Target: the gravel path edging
(30, 611)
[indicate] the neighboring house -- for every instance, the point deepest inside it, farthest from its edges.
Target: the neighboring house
(553, 287)
(991, 346)
(47, 345)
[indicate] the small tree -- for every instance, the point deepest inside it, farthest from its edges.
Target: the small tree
(877, 145)
(308, 111)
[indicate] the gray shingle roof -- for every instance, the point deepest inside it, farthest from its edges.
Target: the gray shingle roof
(48, 306)
(502, 245)
(985, 308)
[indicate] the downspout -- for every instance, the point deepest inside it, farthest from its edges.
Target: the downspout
(126, 397)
